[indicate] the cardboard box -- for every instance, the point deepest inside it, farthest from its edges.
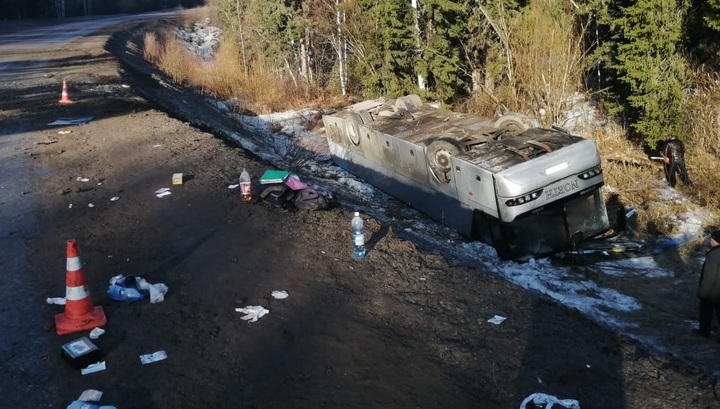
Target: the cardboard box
(177, 179)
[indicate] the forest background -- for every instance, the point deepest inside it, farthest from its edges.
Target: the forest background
(648, 67)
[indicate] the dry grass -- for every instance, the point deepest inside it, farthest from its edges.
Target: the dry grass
(251, 83)
(190, 16)
(638, 182)
(543, 65)
(152, 49)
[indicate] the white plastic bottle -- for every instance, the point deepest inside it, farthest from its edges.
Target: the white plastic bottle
(358, 236)
(245, 186)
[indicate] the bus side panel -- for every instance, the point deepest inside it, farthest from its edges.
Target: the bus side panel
(475, 186)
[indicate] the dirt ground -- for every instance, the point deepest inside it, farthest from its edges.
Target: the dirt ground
(402, 328)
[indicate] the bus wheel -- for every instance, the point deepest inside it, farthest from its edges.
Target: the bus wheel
(353, 121)
(438, 155)
(510, 124)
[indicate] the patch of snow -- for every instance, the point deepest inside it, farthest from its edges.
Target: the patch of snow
(633, 267)
(201, 39)
(283, 135)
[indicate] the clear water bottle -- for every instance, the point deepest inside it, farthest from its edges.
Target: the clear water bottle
(358, 236)
(245, 186)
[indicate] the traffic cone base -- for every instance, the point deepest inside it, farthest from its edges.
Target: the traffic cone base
(64, 98)
(80, 314)
(65, 325)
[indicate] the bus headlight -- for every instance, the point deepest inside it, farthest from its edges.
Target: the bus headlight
(591, 173)
(516, 201)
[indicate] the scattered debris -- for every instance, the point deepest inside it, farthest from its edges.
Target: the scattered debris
(294, 183)
(56, 300)
(48, 142)
(233, 186)
(82, 179)
(81, 404)
(157, 291)
(90, 395)
(124, 294)
(72, 121)
(177, 179)
(252, 312)
(70, 206)
(64, 132)
(279, 295)
(549, 400)
(96, 367)
(497, 320)
(154, 357)
(81, 352)
(114, 198)
(280, 188)
(125, 288)
(95, 334)
(91, 205)
(162, 192)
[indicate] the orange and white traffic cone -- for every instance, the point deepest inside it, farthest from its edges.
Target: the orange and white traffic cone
(80, 314)
(64, 99)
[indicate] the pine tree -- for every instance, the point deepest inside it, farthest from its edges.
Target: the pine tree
(389, 48)
(703, 32)
(444, 30)
(642, 57)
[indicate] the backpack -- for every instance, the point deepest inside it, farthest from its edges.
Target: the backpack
(309, 199)
(276, 194)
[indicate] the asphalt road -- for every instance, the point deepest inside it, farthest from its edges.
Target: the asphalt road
(401, 328)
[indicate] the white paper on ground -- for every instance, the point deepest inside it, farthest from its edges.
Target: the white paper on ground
(154, 357)
(96, 367)
(549, 401)
(497, 320)
(252, 312)
(90, 395)
(56, 300)
(157, 291)
(95, 334)
(280, 294)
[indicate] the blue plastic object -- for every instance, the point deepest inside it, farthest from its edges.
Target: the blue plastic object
(125, 294)
(78, 404)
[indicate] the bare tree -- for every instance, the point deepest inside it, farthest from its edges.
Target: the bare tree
(60, 8)
(418, 43)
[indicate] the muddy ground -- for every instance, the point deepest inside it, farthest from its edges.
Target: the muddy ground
(405, 327)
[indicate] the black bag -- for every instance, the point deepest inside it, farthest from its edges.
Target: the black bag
(276, 194)
(309, 199)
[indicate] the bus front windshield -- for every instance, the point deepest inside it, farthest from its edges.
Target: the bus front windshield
(550, 230)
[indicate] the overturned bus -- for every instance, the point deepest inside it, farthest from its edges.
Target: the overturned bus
(526, 191)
